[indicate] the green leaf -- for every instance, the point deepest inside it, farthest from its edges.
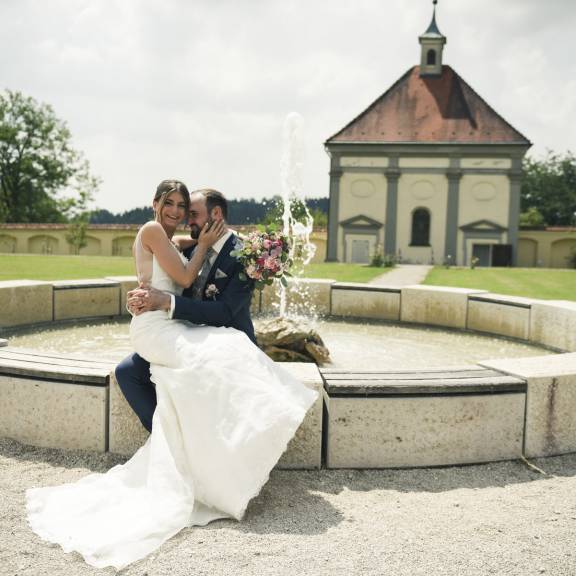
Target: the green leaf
(35, 188)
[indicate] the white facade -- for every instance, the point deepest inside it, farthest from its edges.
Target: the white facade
(471, 201)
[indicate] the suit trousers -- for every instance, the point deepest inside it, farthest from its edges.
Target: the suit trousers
(133, 377)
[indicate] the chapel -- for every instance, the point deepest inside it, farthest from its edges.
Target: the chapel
(428, 173)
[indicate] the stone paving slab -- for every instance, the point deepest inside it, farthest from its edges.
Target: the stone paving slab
(403, 275)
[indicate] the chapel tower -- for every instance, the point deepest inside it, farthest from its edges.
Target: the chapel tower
(431, 48)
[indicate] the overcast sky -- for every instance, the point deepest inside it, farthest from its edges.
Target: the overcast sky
(199, 89)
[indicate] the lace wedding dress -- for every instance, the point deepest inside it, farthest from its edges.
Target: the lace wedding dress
(224, 416)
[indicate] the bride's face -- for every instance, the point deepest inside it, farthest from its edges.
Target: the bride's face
(172, 211)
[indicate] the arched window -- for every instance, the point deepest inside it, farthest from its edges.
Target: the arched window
(420, 227)
(431, 58)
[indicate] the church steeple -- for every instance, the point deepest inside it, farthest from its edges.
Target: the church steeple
(432, 44)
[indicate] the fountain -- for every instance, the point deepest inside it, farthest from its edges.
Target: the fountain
(290, 337)
(354, 345)
(380, 406)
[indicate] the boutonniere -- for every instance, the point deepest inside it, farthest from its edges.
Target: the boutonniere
(238, 245)
(211, 291)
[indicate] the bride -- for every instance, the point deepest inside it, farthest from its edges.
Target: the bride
(224, 415)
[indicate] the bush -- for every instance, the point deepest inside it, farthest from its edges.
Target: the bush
(377, 260)
(380, 260)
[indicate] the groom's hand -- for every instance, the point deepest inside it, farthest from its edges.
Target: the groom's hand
(144, 300)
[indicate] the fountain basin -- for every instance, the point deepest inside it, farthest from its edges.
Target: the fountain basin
(354, 345)
(541, 413)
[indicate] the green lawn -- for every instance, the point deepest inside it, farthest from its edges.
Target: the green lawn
(33, 267)
(343, 272)
(547, 283)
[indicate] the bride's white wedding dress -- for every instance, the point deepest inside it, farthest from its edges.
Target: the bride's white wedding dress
(224, 417)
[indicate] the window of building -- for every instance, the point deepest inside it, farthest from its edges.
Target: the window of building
(420, 227)
(431, 58)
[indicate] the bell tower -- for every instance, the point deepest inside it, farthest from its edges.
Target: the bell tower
(431, 47)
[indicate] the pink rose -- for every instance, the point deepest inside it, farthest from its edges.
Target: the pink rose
(269, 264)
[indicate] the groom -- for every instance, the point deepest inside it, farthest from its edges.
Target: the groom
(217, 298)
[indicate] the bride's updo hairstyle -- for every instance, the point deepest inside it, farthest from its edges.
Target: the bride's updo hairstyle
(165, 188)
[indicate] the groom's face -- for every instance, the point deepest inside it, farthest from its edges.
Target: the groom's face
(198, 215)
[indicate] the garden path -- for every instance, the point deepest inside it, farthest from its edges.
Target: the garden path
(403, 275)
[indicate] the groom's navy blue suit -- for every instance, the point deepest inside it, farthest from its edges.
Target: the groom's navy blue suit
(229, 307)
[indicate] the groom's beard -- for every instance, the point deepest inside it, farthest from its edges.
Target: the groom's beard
(195, 229)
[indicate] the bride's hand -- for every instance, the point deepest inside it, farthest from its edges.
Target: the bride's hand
(211, 233)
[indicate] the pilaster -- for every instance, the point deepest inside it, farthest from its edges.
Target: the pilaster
(392, 174)
(333, 209)
(515, 178)
(454, 175)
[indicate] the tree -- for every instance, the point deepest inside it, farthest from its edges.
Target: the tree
(549, 186)
(531, 217)
(76, 235)
(320, 218)
(245, 211)
(42, 177)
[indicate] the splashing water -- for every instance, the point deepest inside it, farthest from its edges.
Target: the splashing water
(291, 175)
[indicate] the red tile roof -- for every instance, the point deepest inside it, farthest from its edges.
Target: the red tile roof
(429, 109)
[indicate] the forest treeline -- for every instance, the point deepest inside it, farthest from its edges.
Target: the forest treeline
(240, 212)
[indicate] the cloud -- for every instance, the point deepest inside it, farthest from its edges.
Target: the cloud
(200, 89)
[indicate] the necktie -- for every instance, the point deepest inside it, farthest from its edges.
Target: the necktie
(200, 282)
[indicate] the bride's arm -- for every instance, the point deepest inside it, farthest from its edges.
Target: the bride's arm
(155, 240)
(184, 243)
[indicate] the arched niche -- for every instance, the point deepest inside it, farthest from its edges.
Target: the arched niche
(561, 252)
(43, 244)
(7, 244)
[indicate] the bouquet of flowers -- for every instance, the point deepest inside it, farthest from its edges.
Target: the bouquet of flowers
(265, 256)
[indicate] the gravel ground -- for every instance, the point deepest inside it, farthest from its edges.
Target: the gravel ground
(501, 518)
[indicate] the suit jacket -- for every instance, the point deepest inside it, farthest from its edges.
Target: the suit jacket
(230, 307)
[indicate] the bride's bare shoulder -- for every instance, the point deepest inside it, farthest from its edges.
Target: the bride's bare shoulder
(152, 230)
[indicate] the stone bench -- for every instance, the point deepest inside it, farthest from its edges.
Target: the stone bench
(366, 301)
(63, 401)
(550, 422)
(54, 400)
(304, 450)
(427, 418)
(74, 299)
